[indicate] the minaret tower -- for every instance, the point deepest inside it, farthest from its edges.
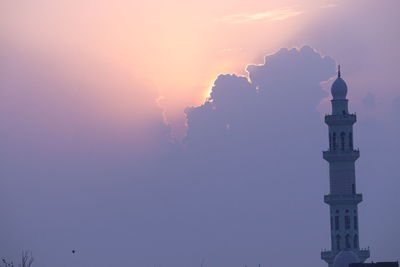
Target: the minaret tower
(342, 198)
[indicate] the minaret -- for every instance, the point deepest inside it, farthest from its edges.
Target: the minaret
(342, 198)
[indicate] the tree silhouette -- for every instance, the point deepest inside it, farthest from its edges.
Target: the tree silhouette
(26, 261)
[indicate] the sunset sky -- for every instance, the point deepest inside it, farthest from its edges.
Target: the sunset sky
(95, 92)
(177, 48)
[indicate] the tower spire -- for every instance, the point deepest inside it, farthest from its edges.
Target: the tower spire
(338, 72)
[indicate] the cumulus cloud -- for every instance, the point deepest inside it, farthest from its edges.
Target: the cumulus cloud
(270, 15)
(256, 146)
(245, 117)
(260, 136)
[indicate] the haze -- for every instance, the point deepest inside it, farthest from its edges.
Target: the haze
(165, 133)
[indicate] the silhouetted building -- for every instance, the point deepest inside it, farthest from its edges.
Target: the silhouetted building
(342, 198)
(375, 264)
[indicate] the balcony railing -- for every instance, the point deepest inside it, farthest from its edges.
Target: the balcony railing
(327, 256)
(343, 199)
(339, 154)
(363, 254)
(341, 119)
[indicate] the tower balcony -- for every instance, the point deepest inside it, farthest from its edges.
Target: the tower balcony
(329, 256)
(363, 254)
(341, 155)
(341, 119)
(343, 199)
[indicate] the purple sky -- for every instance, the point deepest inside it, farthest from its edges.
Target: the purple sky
(110, 146)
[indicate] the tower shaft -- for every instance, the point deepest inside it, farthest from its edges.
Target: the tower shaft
(343, 198)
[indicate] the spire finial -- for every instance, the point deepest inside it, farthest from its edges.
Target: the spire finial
(338, 72)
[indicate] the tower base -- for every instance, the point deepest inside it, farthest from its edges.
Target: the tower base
(329, 256)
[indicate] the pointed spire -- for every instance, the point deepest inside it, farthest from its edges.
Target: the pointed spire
(338, 72)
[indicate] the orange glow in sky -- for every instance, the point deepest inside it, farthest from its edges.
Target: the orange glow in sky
(176, 48)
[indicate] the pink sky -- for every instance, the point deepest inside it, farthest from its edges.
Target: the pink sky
(176, 49)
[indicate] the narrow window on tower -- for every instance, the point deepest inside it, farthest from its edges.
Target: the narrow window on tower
(338, 242)
(331, 223)
(336, 222)
(334, 141)
(342, 137)
(347, 222)
(330, 141)
(350, 140)
(353, 188)
(355, 241)
(355, 223)
(347, 238)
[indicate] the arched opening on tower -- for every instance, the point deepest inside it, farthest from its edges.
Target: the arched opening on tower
(347, 222)
(336, 222)
(347, 239)
(355, 223)
(342, 139)
(338, 242)
(334, 141)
